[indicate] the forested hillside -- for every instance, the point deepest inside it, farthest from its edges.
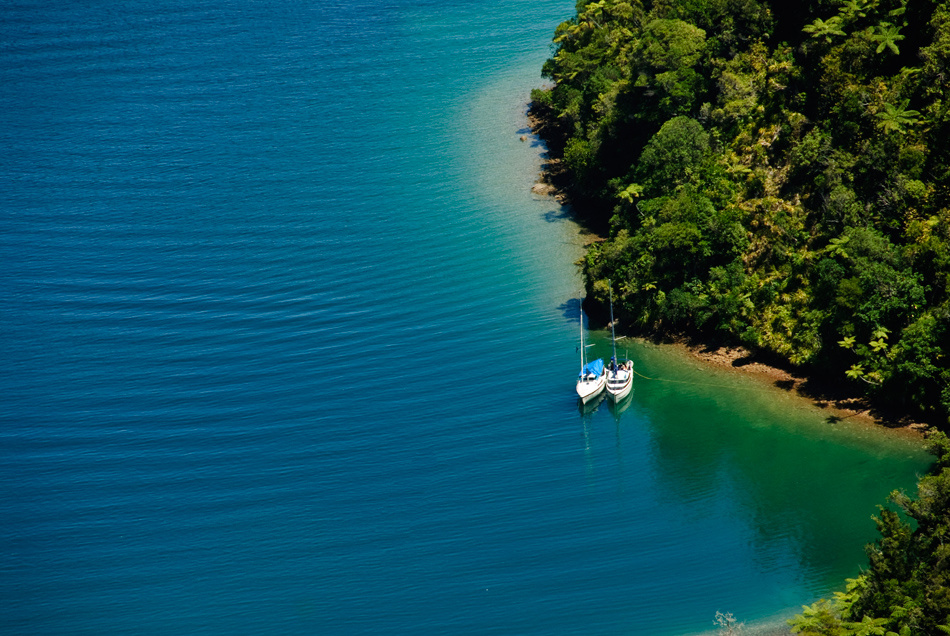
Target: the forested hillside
(905, 590)
(777, 175)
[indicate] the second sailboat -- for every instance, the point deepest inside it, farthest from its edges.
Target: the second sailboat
(619, 373)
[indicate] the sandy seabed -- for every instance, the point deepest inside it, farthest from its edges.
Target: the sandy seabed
(853, 408)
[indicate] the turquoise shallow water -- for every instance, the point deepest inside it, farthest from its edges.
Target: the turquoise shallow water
(289, 348)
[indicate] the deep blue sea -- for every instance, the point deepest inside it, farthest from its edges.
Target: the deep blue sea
(288, 347)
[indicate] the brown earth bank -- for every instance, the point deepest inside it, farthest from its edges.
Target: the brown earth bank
(552, 180)
(840, 401)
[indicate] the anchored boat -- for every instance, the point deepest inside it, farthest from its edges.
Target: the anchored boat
(619, 373)
(593, 376)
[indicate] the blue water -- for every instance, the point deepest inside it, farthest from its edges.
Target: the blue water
(288, 347)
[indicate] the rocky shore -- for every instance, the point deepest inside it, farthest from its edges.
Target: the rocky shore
(839, 404)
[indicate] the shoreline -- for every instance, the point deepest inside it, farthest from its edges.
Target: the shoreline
(840, 404)
(839, 407)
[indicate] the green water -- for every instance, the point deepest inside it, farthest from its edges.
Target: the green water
(291, 348)
(803, 482)
(746, 497)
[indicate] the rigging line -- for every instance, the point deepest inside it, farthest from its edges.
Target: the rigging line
(723, 386)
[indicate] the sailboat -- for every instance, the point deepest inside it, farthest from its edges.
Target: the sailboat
(619, 374)
(593, 376)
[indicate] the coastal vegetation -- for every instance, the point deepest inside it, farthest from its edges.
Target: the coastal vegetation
(906, 589)
(775, 175)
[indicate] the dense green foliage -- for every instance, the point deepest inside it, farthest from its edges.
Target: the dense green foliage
(775, 175)
(906, 589)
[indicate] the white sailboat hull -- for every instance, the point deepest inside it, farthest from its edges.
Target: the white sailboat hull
(619, 383)
(593, 376)
(590, 387)
(619, 376)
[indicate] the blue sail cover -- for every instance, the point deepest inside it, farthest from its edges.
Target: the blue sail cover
(594, 366)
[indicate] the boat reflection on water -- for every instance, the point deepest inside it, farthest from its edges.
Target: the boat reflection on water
(588, 408)
(619, 406)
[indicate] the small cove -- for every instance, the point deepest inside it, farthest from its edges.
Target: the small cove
(220, 235)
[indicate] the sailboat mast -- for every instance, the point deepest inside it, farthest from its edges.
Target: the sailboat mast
(581, 320)
(613, 340)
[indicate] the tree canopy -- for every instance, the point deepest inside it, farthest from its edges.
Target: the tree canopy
(775, 175)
